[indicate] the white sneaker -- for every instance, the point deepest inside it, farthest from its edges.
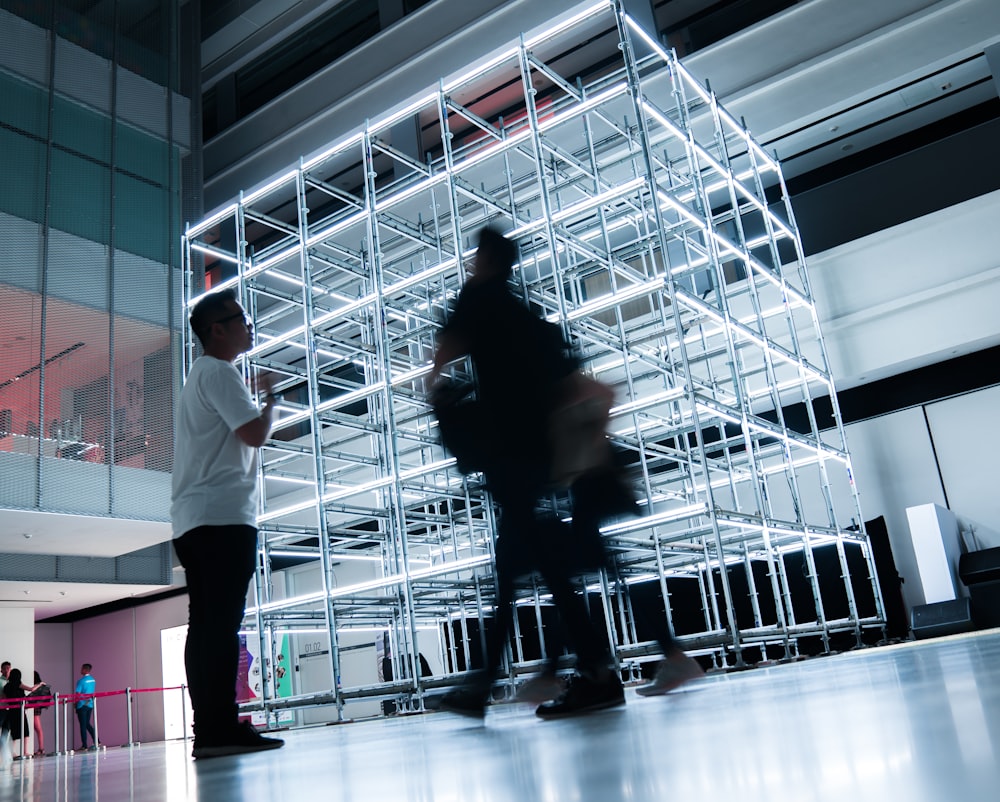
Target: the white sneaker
(670, 675)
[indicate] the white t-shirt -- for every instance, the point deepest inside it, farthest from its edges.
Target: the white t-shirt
(215, 473)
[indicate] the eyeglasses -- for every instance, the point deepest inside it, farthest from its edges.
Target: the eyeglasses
(227, 318)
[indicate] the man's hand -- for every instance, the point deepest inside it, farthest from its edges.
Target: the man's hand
(263, 384)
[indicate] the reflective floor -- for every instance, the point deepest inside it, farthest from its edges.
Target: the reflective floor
(915, 722)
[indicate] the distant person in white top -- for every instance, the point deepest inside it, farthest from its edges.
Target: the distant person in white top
(214, 514)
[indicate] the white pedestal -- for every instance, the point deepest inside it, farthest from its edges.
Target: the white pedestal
(937, 547)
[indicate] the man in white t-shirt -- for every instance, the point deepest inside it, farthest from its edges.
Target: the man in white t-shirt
(214, 514)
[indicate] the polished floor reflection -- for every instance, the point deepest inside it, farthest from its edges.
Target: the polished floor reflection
(919, 721)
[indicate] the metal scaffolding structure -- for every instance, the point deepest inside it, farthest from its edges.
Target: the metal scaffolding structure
(658, 233)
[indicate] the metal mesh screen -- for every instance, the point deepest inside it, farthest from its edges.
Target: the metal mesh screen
(90, 261)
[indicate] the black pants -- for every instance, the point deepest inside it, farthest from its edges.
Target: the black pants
(84, 714)
(598, 495)
(526, 544)
(219, 562)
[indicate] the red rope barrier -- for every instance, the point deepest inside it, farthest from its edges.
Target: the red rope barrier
(7, 703)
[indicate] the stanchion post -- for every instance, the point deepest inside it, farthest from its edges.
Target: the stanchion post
(68, 741)
(97, 732)
(128, 715)
(184, 712)
(22, 725)
(55, 711)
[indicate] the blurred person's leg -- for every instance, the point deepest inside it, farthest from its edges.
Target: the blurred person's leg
(603, 494)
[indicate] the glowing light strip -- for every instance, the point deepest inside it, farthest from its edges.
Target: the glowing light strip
(798, 463)
(694, 264)
(410, 191)
(339, 147)
(275, 342)
(336, 228)
(611, 364)
(360, 587)
(422, 276)
(655, 113)
(583, 106)
(294, 601)
(291, 479)
(285, 277)
(615, 298)
(208, 222)
(430, 467)
(402, 114)
(409, 375)
(683, 210)
(229, 282)
(822, 451)
(349, 308)
(478, 71)
(351, 397)
(568, 23)
(354, 557)
(492, 150)
(272, 515)
(218, 253)
(669, 516)
(739, 329)
(780, 387)
(653, 44)
(346, 310)
(665, 397)
(724, 180)
(526, 228)
(769, 163)
(282, 256)
(718, 413)
(599, 199)
(450, 567)
(271, 185)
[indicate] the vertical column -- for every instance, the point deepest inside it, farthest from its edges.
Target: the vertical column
(17, 645)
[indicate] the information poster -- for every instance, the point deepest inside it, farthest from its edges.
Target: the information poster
(255, 672)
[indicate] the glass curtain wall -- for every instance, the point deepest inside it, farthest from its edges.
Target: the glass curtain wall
(657, 233)
(94, 127)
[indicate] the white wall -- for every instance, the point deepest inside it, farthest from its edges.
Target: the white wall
(967, 443)
(895, 468)
(911, 295)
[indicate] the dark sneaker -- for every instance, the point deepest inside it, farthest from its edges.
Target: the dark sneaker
(243, 739)
(583, 695)
(464, 702)
(671, 674)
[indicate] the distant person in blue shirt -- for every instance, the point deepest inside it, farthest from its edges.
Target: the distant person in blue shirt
(85, 707)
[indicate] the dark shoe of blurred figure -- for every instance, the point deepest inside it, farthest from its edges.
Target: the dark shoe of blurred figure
(671, 673)
(542, 688)
(464, 702)
(584, 695)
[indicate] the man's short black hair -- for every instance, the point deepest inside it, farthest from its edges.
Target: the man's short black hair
(500, 251)
(86, 667)
(208, 310)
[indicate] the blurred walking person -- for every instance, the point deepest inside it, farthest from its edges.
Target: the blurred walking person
(522, 365)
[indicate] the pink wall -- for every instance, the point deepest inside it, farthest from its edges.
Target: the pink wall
(54, 655)
(54, 663)
(124, 649)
